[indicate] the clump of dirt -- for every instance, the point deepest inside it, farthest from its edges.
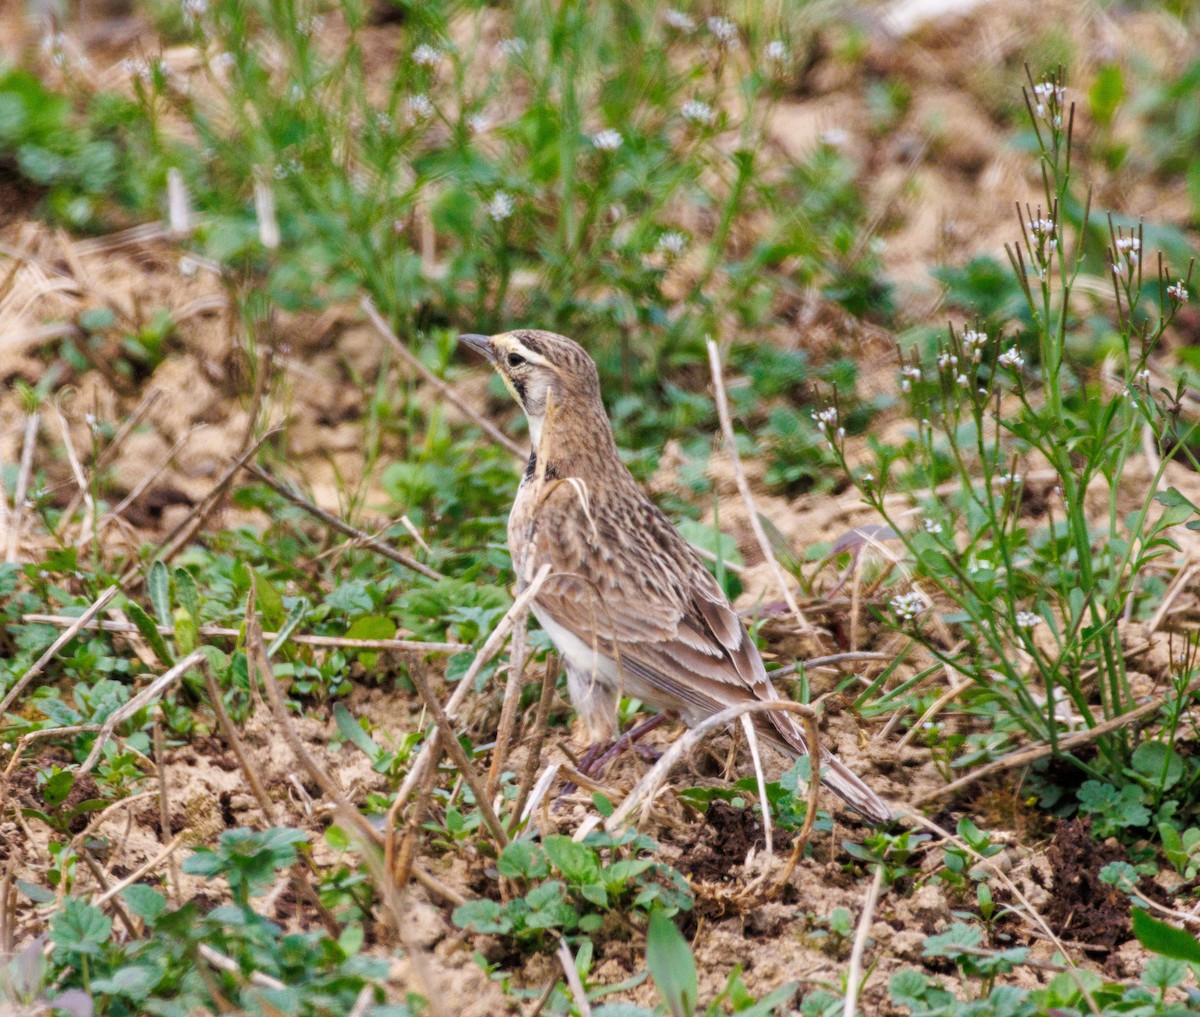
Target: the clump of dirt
(1082, 907)
(724, 841)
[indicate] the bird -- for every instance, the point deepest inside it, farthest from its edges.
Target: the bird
(628, 604)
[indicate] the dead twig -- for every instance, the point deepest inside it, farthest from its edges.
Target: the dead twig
(854, 978)
(341, 642)
(334, 523)
(567, 960)
(447, 393)
(72, 630)
(143, 698)
(743, 486)
(17, 520)
(534, 757)
(164, 805)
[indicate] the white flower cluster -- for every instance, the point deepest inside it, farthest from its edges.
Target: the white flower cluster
(418, 107)
(1011, 358)
(136, 68)
(477, 123)
(310, 26)
(672, 243)
(973, 343)
(907, 605)
(907, 376)
(193, 11)
(1008, 479)
(1048, 102)
(776, 52)
(501, 206)
(932, 526)
(724, 31)
(946, 360)
(426, 55)
(1041, 227)
(1028, 620)
(679, 21)
(694, 111)
(1177, 292)
(608, 140)
(511, 47)
(826, 420)
(1126, 254)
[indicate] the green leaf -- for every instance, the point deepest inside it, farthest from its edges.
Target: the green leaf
(576, 862)
(79, 929)
(353, 732)
(482, 916)
(57, 787)
(671, 965)
(1165, 940)
(188, 594)
(270, 603)
(1159, 763)
(145, 902)
(1106, 93)
(1178, 509)
(149, 632)
(158, 586)
(522, 859)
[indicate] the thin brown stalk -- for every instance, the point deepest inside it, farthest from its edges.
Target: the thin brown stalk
(854, 978)
(151, 475)
(508, 711)
(334, 523)
(342, 642)
(164, 805)
(456, 752)
(743, 486)
(217, 702)
(65, 637)
(257, 654)
(567, 960)
(534, 757)
(447, 393)
(151, 692)
(1022, 757)
(168, 851)
(16, 522)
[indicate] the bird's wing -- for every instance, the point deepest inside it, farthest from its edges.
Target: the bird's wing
(632, 587)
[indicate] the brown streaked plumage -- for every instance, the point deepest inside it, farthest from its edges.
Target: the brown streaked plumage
(630, 606)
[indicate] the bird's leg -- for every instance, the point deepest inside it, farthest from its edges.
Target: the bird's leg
(597, 763)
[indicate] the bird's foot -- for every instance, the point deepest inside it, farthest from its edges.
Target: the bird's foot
(599, 756)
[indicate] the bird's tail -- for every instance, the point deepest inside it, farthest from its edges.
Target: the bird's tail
(835, 775)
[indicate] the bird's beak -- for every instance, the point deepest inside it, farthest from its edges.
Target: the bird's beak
(481, 344)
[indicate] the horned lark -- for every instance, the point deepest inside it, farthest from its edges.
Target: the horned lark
(630, 606)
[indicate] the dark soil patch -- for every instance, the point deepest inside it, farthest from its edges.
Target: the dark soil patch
(724, 840)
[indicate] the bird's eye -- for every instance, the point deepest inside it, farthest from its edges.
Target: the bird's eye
(515, 360)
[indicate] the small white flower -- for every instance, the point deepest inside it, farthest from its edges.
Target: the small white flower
(1143, 377)
(426, 55)
(608, 140)
(53, 41)
(136, 68)
(825, 418)
(932, 526)
(1011, 358)
(946, 361)
(962, 381)
(1041, 227)
(310, 26)
(223, 61)
(1028, 620)
(193, 11)
(775, 52)
(1008, 479)
(382, 120)
(724, 31)
(1177, 292)
(679, 21)
(477, 123)
(696, 112)
(501, 206)
(835, 137)
(1127, 244)
(907, 605)
(672, 243)
(418, 107)
(511, 47)
(90, 420)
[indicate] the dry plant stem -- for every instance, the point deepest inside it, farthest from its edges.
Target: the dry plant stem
(437, 887)
(567, 959)
(164, 805)
(935, 708)
(149, 478)
(398, 645)
(1030, 913)
(168, 851)
(8, 908)
(448, 393)
(714, 361)
(1028, 755)
(334, 523)
(364, 999)
(648, 786)
(400, 863)
(81, 481)
(72, 630)
(217, 702)
(534, 758)
(490, 648)
(1183, 581)
(229, 965)
(134, 928)
(266, 674)
(854, 978)
(752, 741)
(151, 692)
(22, 489)
(456, 752)
(508, 711)
(543, 999)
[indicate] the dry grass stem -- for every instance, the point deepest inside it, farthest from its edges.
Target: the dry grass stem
(743, 486)
(447, 393)
(854, 978)
(21, 491)
(533, 758)
(69, 633)
(164, 805)
(217, 702)
(168, 852)
(567, 959)
(151, 692)
(760, 777)
(333, 522)
(214, 631)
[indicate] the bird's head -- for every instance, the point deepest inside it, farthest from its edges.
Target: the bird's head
(544, 371)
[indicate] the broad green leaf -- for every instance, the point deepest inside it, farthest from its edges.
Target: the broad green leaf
(576, 862)
(149, 632)
(158, 586)
(1106, 93)
(1165, 940)
(671, 965)
(187, 594)
(352, 731)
